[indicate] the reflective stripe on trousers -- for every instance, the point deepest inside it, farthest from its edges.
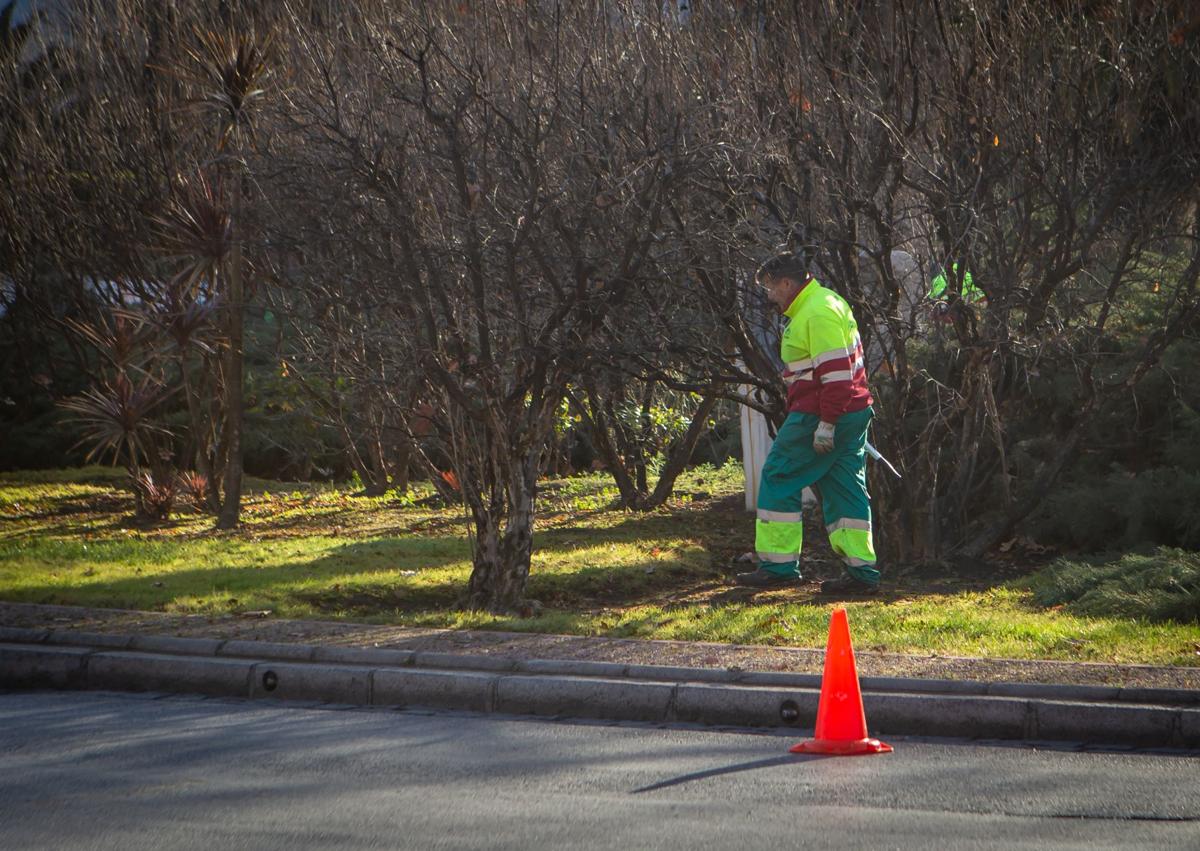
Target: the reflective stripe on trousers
(840, 476)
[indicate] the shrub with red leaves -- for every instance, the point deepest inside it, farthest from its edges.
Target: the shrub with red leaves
(194, 487)
(158, 494)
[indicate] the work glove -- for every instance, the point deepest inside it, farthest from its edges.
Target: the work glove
(823, 438)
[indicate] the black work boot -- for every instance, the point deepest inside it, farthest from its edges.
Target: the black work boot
(848, 585)
(764, 579)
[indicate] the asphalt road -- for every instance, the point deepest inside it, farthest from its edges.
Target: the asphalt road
(102, 770)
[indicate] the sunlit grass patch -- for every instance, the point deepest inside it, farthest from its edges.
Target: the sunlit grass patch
(326, 551)
(295, 576)
(997, 624)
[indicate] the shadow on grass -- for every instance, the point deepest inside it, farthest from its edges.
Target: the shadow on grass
(332, 577)
(334, 582)
(712, 531)
(75, 504)
(584, 590)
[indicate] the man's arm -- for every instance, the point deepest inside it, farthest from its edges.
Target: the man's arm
(838, 360)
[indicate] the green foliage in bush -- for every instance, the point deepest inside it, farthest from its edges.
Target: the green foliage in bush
(1160, 585)
(37, 435)
(1138, 482)
(1159, 506)
(1183, 449)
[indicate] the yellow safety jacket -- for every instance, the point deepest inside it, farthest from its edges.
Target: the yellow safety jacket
(825, 368)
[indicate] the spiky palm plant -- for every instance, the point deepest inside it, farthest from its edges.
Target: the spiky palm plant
(195, 233)
(195, 487)
(157, 493)
(116, 420)
(119, 338)
(226, 72)
(185, 314)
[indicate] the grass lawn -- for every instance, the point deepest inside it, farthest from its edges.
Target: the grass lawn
(312, 551)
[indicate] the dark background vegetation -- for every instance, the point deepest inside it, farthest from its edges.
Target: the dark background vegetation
(477, 242)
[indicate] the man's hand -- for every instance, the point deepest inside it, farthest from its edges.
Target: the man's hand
(823, 438)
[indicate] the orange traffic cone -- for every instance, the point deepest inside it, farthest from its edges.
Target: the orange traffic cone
(841, 721)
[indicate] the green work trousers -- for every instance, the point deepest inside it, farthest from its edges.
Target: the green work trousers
(841, 478)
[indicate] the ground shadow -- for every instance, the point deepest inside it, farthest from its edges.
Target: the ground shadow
(701, 540)
(788, 759)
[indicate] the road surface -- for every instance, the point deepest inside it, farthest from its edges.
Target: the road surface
(116, 771)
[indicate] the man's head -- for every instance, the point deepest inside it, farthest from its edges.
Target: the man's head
(783, 276)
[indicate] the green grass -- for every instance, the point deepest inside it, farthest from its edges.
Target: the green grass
(323, 552)
(997, 623)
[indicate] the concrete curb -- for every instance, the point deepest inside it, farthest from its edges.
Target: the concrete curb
(65, 659)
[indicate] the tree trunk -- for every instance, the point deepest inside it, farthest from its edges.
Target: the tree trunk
(680, 454)
(234, 396)
(502, 555)
(597, 424)
(198, 452)
(214, 443)
(642, 440)
(400, 473)
(376, 484)
(135, 473)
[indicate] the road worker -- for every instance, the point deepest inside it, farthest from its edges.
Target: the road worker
(823, 440)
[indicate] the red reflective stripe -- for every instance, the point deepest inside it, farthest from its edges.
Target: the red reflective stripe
(846, 363)
(839, 365)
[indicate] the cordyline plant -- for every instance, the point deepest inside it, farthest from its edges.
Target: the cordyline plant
(225, 72)
(134, 188)
(157, 492)
(116, 418)
(195, 488)
(228, 71)
(119, 338)
(194, 234)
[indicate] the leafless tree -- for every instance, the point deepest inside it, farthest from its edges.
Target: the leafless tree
(503, 178)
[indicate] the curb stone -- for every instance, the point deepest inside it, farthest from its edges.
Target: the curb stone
(132, 671)
(558, 688)
(523, 646)
(295, 681)
(469, 690)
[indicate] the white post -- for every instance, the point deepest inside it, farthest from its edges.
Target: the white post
(756, 443)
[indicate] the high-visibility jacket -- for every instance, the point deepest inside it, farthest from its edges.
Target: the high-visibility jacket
(823, 354)
(939, 287)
